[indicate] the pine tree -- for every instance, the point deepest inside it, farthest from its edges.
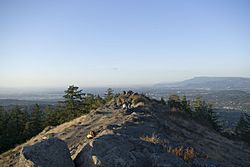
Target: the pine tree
(4, 117)
(200, 109)
(15, 126)
(35, 123)
(174, 103)
(73, 102)
(92, 102)
(185, 105)
(243, 127)
(213, 118)
(99, 101)
(51, 117)
(89, 102)
(109, 94)
(205, 114)
(162, 101)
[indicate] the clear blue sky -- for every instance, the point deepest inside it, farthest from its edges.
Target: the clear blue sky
(54, 43)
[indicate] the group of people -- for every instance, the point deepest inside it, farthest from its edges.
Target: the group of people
(127, 105)
(126, 102)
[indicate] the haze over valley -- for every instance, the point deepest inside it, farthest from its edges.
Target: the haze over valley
(230, 96)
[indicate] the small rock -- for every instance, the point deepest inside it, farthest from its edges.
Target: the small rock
(44, 137)
(91, 135)
(95, 160)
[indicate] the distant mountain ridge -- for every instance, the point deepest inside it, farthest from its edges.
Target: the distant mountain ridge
(210, 83)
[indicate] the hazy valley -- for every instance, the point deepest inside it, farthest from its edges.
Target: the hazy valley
(230, 100)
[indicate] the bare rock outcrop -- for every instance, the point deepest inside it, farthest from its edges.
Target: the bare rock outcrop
(47, 153)
(123, 151)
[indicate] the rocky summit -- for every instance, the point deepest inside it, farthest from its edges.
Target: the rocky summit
(143, 134)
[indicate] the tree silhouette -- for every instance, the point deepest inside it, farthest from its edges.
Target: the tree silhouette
(73, 102)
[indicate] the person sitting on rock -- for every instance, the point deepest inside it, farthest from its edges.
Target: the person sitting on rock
(129, 105)
(125, 106)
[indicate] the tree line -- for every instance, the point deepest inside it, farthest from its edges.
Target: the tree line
(197, 109)
(203, 113)
(17, 124)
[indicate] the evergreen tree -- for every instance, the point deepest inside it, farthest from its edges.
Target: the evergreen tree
(15, 126)
(109, 94)
(162, 101)
(213, 118)
(51, 117)
(35, 123)
(185, 105)
(73, 102)
(204, 113)
(174, 103)
(243, 127)
(89, 102)
(4, 117)
(92, 102)
(99, 101)
(200, 110)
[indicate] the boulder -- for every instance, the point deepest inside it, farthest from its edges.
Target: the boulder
(52, 152)
(108, 150)
(122, 151)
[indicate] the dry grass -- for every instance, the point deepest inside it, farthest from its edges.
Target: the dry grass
(152, 139)
(189, 154)
(186, 154)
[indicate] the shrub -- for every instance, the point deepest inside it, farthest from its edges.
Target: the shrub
(186, 154)
(152, 139)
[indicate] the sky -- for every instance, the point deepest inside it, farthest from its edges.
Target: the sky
(54, 43)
